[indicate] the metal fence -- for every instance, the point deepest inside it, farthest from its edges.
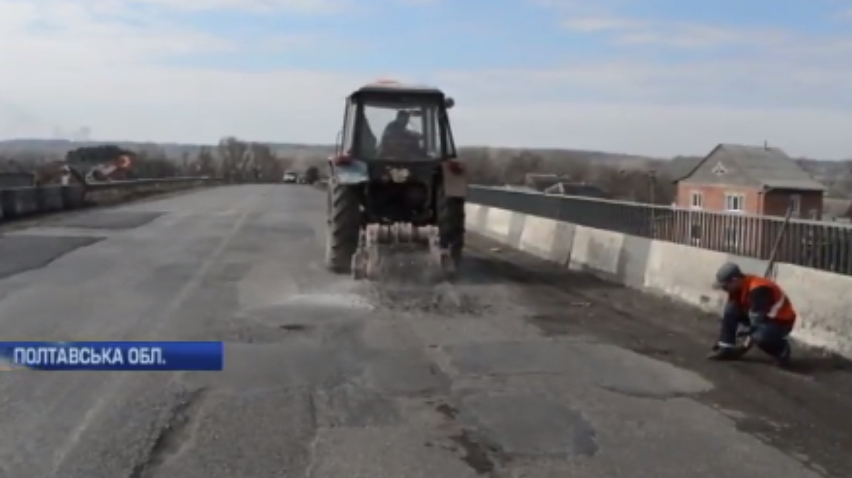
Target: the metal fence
(819, 245)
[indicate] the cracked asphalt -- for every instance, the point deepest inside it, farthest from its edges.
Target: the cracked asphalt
(518, 370)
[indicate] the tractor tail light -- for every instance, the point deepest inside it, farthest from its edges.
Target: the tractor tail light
(455, 167)
(342, 159)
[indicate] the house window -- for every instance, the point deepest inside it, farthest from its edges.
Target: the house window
(697, 200)
(796, 204)
(734, 202)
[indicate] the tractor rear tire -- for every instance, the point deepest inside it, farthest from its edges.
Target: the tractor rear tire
(451, 223)
(344, 227)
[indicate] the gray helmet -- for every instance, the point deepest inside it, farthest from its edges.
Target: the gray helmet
(728, 272)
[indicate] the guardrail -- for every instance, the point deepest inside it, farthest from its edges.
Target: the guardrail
(21, 202)
(817, 245)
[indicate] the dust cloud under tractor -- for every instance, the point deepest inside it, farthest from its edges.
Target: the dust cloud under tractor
(396, 190)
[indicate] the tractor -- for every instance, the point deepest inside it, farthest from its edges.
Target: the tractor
(396, 200)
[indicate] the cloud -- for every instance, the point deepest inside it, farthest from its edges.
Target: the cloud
(690, 34)
(793, 75)
(659, 108)
(279, 70)
(603, 24)
(124, 68)
(419, 3)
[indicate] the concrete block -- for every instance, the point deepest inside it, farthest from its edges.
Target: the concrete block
(597, 251)
(537, 237)
(18, 202)
(7, 203)
(73, 196)
(49, 198)
(516, 228)
(563, 243)
(498, 224)
(471, 209)
(480, 218)
(687, 273)
(633, 260)
(820, 300)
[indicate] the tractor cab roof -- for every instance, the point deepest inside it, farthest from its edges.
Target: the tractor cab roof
(391, 86)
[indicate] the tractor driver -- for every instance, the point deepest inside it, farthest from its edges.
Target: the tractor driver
(397, 135)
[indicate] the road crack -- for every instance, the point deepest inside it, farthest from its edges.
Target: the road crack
(173, 435)
(314, 441)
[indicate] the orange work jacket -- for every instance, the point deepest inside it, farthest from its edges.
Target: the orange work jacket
(781, 310)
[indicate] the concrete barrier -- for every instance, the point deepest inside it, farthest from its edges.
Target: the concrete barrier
(681, 272)
(50, 199)
(19, 202)
(820, 298)
(73, 197)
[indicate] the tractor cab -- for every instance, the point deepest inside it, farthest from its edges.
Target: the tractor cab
(391, 121)
(396, 192)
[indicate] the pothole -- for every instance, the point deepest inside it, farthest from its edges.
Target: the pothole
(298, 317)
(310, 310)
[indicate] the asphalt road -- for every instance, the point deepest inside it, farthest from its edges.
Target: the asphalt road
(518, 370)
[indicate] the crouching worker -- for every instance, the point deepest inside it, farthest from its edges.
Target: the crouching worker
(756, 302)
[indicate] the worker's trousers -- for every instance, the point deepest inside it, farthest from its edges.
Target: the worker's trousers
(771, 336)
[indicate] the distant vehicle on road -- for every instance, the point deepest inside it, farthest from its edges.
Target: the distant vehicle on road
(290, 177)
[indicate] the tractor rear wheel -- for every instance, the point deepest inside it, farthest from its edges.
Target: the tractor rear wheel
(344, 224)
(451, 224)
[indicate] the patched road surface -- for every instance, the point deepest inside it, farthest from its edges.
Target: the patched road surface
(519, 370)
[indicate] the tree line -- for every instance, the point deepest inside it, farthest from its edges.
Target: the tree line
(237, 160)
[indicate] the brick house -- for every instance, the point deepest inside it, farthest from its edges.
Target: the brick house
(751, 180)
(721, 197)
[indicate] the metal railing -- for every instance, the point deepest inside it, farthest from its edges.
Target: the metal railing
(814, 244)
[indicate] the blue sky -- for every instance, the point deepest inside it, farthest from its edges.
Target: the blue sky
(497, 34)
(657, 77)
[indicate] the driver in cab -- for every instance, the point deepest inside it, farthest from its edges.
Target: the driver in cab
(398, 137)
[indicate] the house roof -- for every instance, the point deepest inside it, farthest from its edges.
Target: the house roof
(680, 167)
(769, 167)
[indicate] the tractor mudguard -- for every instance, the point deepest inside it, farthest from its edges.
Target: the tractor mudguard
(355, 172)
(455, 183)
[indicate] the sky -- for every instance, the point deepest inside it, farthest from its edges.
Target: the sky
(650, 77)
